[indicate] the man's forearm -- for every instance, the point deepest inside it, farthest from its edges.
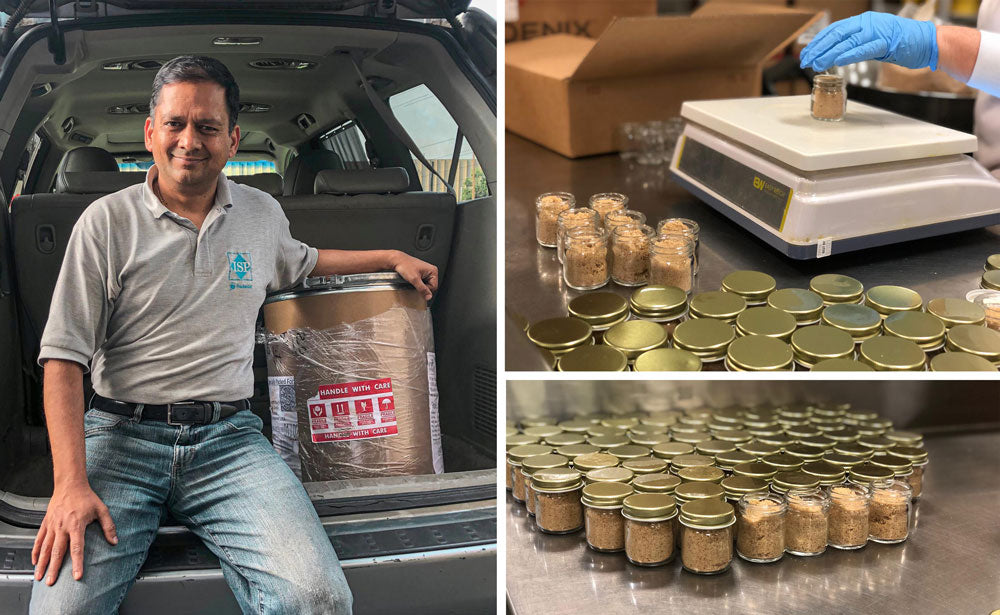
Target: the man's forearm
(343, 262)
(63, 401)
(958, 49)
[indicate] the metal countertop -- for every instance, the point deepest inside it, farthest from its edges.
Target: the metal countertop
(949, 564)
(945, 266)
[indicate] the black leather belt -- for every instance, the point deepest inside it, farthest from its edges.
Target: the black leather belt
(181, 413)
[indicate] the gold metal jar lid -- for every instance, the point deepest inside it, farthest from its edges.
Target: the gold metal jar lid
(707, 513)
(537, 421)
(607, 442)
(926, 330)
(669, 450)
(803, 305)
(511, 431)
(735, 436)
(707, 338)
(753, 286)
(960, 362)
(990, 280)
(766, 321)
(867, 472)
(904, 438)
(692, 438)
(665, 418)
(802, 431)
(543, 462)
(555, 480)
(841, 365)
(836, 288)
(648, 440)
(893, 354)
(519, 453)
(576, 425)
(728, 460)
(819, 442)
(898, 464)
(758, 353)
(605, 494)
(592, 461)
(717, 304)
(687, 492)
(795, 479)
(575, 450)
(543, 431)
(876, 443)
(826, 411)
(795, 411)
(827, 472)
(701, 474)
(860, 321)
(731, 414)
(679, 462)
(629, 451)
(992, 262)
(655, 483)
(803, 452)
(779, 440)
(713, 447)
(956, 312)
(690, 424)
(861, 415)
(646, 465)
(658, 301)
(565, 438)
(738, 486)
(755, 469)
(761, 413)
(596, 358)
(560, 334)
(814, 344)
(604, 430)
(615, 474)
(854, 449)
(634, 337)
(844, 461)
(650, 507)
(520, 440)
(758, 449)
(914, 454)
(980, 341)
(598, 308)
(889, 299)
(620, 421)
(644, 429)
(783, 462)
(667, 360)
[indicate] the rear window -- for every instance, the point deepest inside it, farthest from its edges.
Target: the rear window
(348, 141)
(232, 168)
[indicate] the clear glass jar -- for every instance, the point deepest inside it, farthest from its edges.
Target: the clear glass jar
(806, 521)
(630, 245)
(619, 217)
(671, 261)
(531, 465)
(760, 527)
(684, 226)
(576, 217)
(848, 516)
(585, 263)
(889, 513)
(548, 206)
(918, 457)
(650, 528)
(602, 515)
(829, 98)
(706, 536)
(515, 456)
(606, 202)
(557, 508)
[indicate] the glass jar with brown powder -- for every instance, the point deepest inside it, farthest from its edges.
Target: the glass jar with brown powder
(918, 457)
(829, 98)
(760, 522)
(671, 261)
(620, 217)
(514, 458)
(575, 217)
(585, 261)
(848, 516)
(806, 521)
(607, 202)
(602, 515)
(683, 226)
(630, 254)
(889, 513)
(530, 465)
(557, 508)
(706, 536)
(649, 528)
(548, 206)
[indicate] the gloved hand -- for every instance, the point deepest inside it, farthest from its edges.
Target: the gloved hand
(873, 36)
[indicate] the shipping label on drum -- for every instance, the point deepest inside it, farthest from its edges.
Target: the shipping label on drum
(353, 411)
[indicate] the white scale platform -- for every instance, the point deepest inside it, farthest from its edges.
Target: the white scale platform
(811, 188)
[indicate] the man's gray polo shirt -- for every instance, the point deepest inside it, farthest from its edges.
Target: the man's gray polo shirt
(167, 312)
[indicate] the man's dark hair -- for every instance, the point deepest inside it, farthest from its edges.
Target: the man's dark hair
(195, 69)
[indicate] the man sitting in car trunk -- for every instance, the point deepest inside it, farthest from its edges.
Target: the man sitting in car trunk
(146, 295)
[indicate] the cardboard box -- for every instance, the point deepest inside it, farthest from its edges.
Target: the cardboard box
(586, 18)
(570, 93)
(838, 9)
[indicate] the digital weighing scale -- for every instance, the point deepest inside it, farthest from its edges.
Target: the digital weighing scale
(811, 188)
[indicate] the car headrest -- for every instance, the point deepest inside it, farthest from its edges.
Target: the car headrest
(367, 181)
(300, 176)
(97, 182)
(83, 160)
(268, 182)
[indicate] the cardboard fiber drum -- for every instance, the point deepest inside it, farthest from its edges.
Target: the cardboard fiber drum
(351, 376)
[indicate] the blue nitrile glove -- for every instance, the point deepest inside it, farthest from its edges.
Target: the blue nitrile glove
(873, 36)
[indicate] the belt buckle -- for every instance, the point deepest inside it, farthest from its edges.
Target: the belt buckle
(170, 414)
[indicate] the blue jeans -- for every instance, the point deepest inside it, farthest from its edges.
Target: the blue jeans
(223, 481)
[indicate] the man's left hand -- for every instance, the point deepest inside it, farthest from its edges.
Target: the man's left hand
(423, 276)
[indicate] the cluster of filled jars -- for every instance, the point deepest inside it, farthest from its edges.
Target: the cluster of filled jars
(606, 241)
(748, 324)
(756, 483)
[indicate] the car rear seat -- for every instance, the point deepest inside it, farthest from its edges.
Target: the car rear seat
(370, 209)
(268, 182)
(300, 176)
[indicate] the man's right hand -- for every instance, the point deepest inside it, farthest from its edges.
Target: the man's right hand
(71, 509)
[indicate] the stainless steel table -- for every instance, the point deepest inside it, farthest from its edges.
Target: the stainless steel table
(946, 266)
(950, 563)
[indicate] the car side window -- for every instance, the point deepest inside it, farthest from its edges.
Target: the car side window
(434, 132)
(232, 168)
(348, 141)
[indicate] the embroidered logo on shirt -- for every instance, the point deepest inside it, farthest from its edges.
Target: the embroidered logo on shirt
(240, 270)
